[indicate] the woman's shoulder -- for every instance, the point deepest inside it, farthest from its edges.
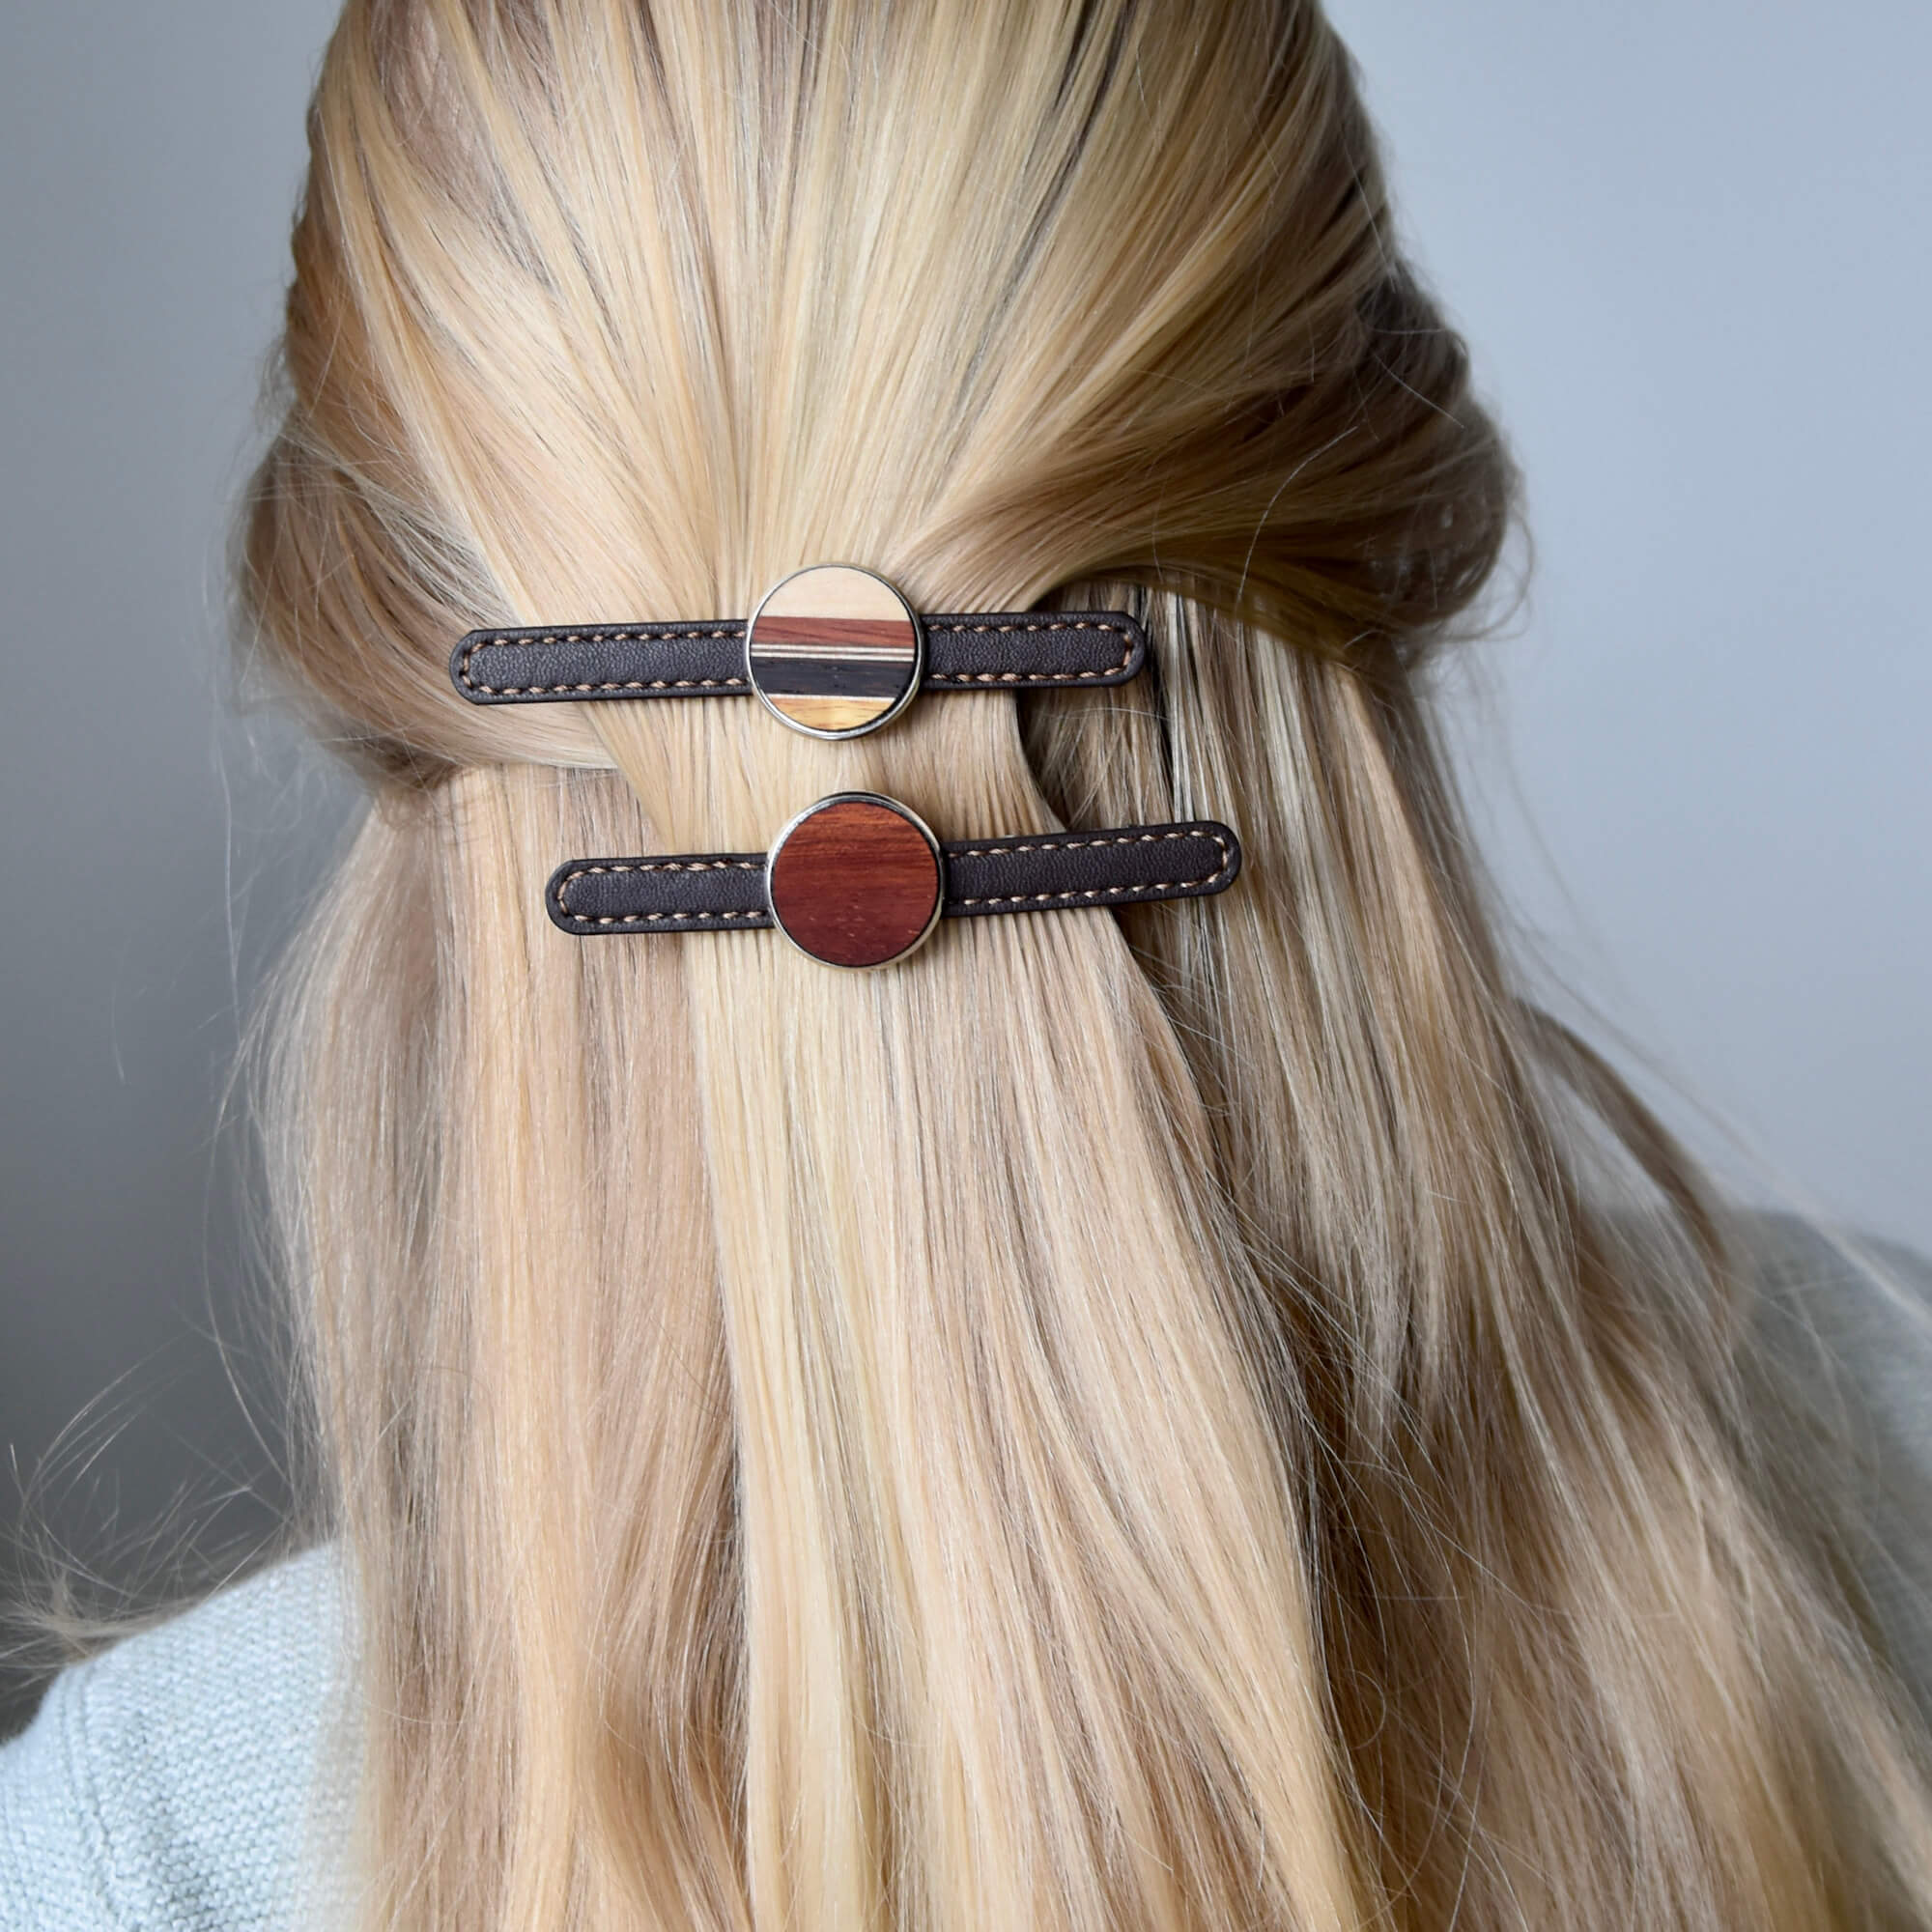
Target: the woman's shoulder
(1847, 1323)
(1851, 1317)
(196, 1774)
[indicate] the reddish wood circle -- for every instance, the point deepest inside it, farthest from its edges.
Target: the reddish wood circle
(854, 881)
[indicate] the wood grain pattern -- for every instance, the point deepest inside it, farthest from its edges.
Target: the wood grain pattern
(833, 650)
(855, 884)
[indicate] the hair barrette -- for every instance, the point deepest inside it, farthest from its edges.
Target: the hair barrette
(858, 879)
(833, 651)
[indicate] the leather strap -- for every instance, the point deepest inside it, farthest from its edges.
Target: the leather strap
(726, 891)
(1035, 650)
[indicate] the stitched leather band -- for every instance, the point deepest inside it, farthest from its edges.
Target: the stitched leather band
(1038, 650)
(726, 891)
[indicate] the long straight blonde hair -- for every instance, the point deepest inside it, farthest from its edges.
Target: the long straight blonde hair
(1223, 1416)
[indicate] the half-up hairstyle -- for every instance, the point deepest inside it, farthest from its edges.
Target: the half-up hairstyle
(1217, 1416)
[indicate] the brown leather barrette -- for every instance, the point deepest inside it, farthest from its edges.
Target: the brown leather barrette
(834, 651)
(859, 880)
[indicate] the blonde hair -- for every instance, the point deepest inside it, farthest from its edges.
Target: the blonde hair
(1219, 1416)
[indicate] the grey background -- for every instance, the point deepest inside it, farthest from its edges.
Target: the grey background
(1688, 241)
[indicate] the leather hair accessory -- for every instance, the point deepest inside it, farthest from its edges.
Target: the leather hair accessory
(859, 880)
(833, 651)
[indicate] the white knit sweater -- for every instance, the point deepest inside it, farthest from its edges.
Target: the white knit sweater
(198, 1777)
(201, 1777)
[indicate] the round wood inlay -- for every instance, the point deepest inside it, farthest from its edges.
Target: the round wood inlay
(835, 651)
(855, 881)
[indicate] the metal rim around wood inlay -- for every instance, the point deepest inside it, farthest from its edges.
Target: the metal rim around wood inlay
(835, 651)
(856, 880)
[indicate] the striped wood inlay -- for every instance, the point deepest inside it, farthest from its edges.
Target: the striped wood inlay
(833, 650)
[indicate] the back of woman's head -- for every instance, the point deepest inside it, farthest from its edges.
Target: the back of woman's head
(1214, 1416)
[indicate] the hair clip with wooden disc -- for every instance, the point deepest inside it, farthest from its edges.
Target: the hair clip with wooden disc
(833, 651)
(859, 880)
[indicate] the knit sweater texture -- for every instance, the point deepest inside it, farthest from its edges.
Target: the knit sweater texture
(201, 1776)
(197, 1778)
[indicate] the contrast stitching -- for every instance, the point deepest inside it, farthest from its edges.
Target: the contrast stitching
(960, 849)
(684, 920)
(698, 633)
(995, 849)
(644, 635)
(967, 678)
(569, 879)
